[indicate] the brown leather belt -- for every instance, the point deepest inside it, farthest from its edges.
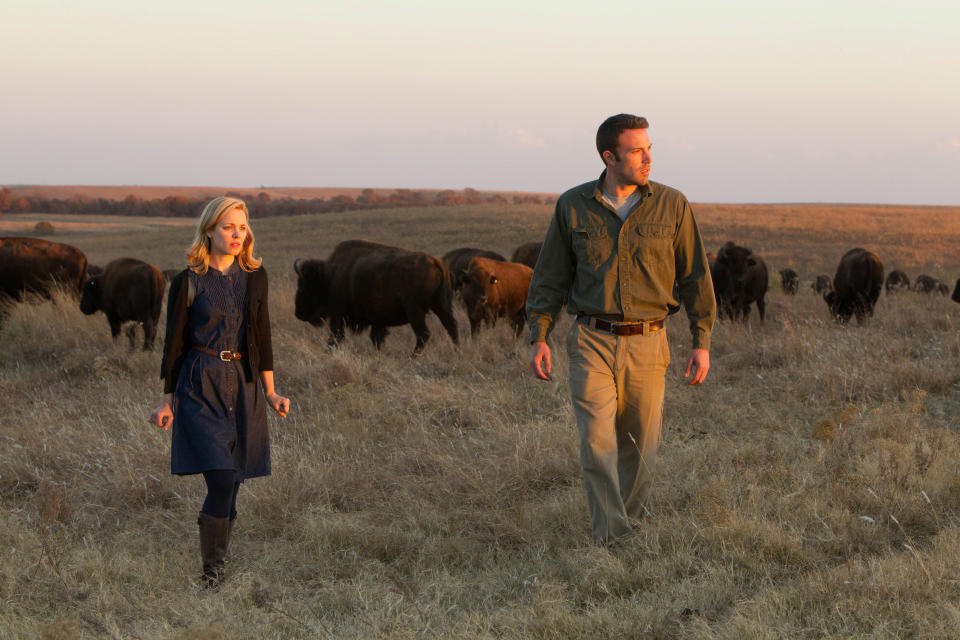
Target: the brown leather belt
(621, 328)
(226, 356)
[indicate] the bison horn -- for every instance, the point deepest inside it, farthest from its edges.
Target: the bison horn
(296, 265)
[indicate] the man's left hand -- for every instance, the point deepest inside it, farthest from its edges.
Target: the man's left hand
(698, 365)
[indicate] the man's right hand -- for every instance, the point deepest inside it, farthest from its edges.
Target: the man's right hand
(540, 360)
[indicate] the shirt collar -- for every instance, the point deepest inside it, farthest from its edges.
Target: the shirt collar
(595, 189)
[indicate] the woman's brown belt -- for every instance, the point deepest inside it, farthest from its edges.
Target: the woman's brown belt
(226, 356)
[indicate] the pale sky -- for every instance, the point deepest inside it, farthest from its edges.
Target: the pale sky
(748, 101)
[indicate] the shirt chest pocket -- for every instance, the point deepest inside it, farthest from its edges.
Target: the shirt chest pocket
(652, 243)
(592, 245)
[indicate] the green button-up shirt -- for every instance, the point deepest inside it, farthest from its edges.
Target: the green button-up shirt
(638, 269)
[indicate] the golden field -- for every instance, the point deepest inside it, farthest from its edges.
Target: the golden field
(810, 488)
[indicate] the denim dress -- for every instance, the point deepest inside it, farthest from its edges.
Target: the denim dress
(220, 416)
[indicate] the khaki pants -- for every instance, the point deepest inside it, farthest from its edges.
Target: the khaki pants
(617, 387)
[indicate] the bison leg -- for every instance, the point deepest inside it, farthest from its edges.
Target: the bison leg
(418, 321)
(449, 323)
(761, 308)
(149, 334)
(114, 326)
(378, 334)
(132, 334)
(336, 331)
(474, 326)
(518, 321)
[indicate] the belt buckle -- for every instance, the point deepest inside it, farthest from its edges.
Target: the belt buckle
(226, 356)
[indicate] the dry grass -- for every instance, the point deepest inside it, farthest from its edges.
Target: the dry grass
(809, 489)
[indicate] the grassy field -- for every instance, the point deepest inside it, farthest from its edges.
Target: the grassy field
(810, 488)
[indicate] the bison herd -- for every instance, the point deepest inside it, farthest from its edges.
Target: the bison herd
(360, 285)
(364, 284)
(368, 285)
(740, 279)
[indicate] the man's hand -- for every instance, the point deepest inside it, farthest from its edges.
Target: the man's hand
(540, 360)
(698, 364)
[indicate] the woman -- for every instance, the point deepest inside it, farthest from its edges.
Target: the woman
(217, 346)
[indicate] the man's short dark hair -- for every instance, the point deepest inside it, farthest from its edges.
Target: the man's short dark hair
(609, 132)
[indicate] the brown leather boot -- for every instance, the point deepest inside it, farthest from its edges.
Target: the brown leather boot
(214, 537)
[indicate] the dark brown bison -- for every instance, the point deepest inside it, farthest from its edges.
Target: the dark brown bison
(128, 290)
(739, 279)
(527, 254)
(363, 284)
(790, 281)
(94, 270)
(494, 290)
(897, 281)
(458, 261)
(822, 284)
(956, 292)
(32, 265)
(856, 286)
(928, 284)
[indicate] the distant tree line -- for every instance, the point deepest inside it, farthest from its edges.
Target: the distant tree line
(260, 205)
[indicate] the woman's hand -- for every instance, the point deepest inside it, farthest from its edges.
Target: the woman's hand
(162, 416)
(279, 404)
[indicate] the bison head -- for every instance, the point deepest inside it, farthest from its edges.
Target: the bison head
(90, 298)
(737, 259)
(822, 284)
(312, 298)
(841, 310)
(479, 291)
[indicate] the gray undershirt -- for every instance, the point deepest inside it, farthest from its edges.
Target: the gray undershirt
(623, 206)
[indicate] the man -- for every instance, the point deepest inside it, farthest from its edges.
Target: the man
(620, 250)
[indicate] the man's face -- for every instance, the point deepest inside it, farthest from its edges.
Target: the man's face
(631, 162)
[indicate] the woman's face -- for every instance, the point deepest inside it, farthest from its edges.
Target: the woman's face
(228, 236)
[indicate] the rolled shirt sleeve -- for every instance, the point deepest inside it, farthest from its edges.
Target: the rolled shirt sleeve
(552, 277)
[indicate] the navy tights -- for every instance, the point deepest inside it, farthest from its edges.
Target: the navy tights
(222, 489)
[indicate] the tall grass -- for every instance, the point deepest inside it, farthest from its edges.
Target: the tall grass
(810, 488)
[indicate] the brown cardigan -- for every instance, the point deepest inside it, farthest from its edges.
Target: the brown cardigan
(258, 354)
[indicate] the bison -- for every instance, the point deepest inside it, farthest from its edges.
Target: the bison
(897, 281)
(128, 290)
(739, 279)
(956, 292)
(458, 261)
(527, 254)
(822, 284)
(496, 289)
(928, 284)
(790, 281)
(856, 286)
(363, 284)
(32, 265)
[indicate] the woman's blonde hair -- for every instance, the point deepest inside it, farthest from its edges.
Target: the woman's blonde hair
(198, 255)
